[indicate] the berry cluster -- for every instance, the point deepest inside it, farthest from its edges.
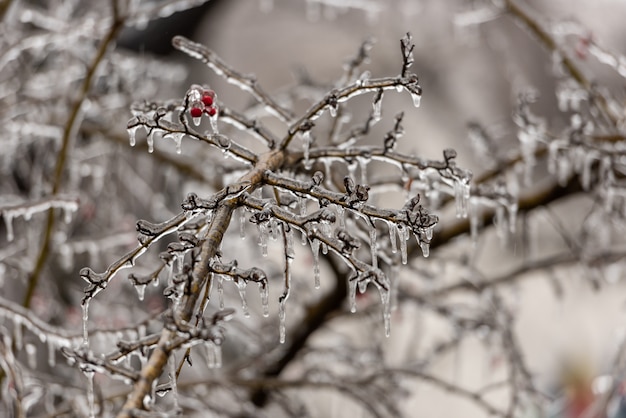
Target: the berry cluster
(201, 102)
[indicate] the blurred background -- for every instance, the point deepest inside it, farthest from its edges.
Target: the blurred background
(568, 319)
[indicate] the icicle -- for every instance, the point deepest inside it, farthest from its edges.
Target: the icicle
(363, 161)
(242, 223)
(352, 166)
(333, 110)
(263, 236)
(417, 99)
(52, 357)
(377, 109)
(315, 248)
(303, 211)
(90, 392)
(150, 141)
(461, 196)
(306, 147)
(273, 229)
(373, 246)
(363, 286)
(213, 120)
(18, 333)
(500, 222)
(588, 160)
(213, 355)
(392, 237)
(31, 355)
(289, 250)
(132, 135)
(8, 220)
(281, 319)
(85, 307)
(474, 219)
(403, 235)
(178, 139)
(241, 286)
(141, 290)
(220, 291)
(341, 215)
(425, 246)
(264, 291)
(67, 215)
(564, 169)
(352, 294)
(173, 382)
(512, 209)
(384, 298)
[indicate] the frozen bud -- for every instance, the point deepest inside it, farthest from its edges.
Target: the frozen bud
(318, 178)
(449, 154)
(349, 184)
(190, 203)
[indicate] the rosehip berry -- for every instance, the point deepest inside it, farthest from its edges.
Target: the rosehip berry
(207, 100)
(195, 112)
(211, 111)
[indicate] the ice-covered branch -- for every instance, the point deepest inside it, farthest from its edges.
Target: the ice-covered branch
(332, 100)
(26, 210)
(245, 82)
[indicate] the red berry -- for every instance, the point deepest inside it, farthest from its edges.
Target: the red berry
(195, 112)
(207, 100)
(211, 111)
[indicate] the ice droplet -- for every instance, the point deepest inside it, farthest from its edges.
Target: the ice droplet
(141, 290)
(196, 120)
(315, 248)
(31, 355)
(417, 99)
(425, 248)
(363, 286)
